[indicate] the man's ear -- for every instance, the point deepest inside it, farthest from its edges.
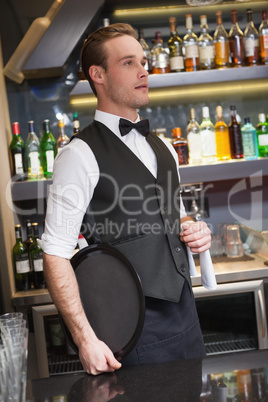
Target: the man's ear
(96, 74)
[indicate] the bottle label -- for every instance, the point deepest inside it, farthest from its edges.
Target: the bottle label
(191, 50)
(249, 45)
(18, 164)
(161, 61)
(208, 143)
(38, 265)
(176, 63)
(34, 162)
(22, 267)
(206, 54)
(264, 39)
(50, 161)
(194, 143)
(263, 140)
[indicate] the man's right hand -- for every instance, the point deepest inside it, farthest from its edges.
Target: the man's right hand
(97, 358)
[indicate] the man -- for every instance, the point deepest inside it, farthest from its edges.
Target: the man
(131, 182)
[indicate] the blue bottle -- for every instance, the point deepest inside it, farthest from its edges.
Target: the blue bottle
(249, 140)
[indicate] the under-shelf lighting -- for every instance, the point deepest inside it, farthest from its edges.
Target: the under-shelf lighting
(190, 92)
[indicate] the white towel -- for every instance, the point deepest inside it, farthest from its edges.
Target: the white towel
(208, 278)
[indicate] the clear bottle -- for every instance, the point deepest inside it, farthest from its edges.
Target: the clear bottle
(249, 140)
(206, 46)
(17, 151)
(21, 262)
(194, 140)
(208, 138)
(48, 150)
(235, 136)
(181, 146)
(222, 137)
(175, 48)
(221, 43)
(251, 41)
(63, 139)
(34, 167)
(262, 136)
(236, 42)
(263, 36)
(146, 50)
(76, 123)
(36, 254)
(161, 57)
(190, 43)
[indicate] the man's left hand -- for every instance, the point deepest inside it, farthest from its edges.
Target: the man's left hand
(196, 235)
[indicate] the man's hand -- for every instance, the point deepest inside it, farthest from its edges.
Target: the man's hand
(196, 235)
(97, 358)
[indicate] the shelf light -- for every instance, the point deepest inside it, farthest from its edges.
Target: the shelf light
(187, 92)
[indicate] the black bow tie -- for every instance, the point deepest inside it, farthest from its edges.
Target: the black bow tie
(142, 127)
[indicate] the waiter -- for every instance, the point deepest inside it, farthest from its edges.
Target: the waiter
(119, 184)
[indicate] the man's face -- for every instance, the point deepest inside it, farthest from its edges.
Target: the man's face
(126, 80)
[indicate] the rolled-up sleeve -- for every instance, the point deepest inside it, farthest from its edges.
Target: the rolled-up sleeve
(75, 176)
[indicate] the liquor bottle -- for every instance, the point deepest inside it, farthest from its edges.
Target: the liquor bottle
(236, 42)
(249, 140)
(17, 151)
(235, 136)
(262, 136)
(63, 139)
(21, 262)
(146, 50)
(251, 41)
(221, 43)
(76, 123)
(48, 150)
(244, 385)
(36, 254)
(181, 146)
(263, 37)
(175, 48)
(28, 243)
(190, 46)
(205, 46)
(194, 140)
(34, 167)
(222, 137)
(208, 138)
(161, 57)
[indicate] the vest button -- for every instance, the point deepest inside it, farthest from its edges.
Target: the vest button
(183, 269)
(177, 249)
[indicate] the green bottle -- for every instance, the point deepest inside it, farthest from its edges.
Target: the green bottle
(34, 167)
(21, 262)
(36, 254)
(17, 151)
(47, 150)
(262, 136)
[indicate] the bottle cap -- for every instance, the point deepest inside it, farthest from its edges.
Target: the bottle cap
(247, 120)
(232, 108)
(205, 111)
(192, 113)
(219, 110)
(15, 127)
(176, 132)
(262, 117)
(189, 21)
(203, 19)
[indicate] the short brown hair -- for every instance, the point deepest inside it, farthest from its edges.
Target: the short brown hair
(93, 50)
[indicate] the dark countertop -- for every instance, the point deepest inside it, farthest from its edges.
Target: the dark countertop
(210, 379)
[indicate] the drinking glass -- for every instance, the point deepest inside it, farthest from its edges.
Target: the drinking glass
(234, 246)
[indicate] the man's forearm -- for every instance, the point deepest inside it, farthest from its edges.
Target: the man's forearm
(64, 291)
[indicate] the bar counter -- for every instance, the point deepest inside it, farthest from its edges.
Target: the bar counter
(210, 379)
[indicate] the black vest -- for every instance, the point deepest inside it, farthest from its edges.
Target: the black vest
(136, 213)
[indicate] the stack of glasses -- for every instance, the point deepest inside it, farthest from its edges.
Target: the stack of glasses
(13, 357)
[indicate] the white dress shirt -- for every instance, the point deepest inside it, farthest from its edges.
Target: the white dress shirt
(75, 176)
